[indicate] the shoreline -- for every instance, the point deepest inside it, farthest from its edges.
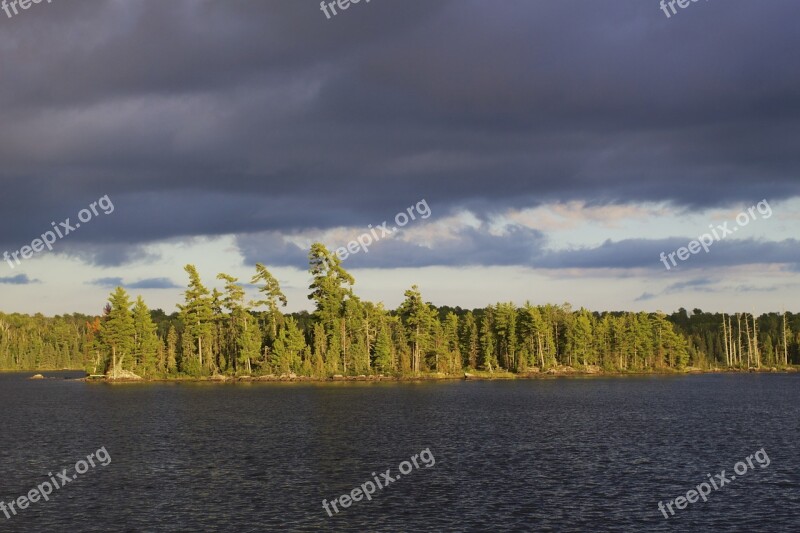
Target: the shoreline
(564, 372)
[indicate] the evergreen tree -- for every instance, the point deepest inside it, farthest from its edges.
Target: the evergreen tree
(118, 330)
(172, 350)
(417, 319)
(470, 344)
(273, 298)
(289, 346)
(487, 340)
(197, 313)
(383, 350)
(146, 341)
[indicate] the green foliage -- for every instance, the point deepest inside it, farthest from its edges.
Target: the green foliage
(118, 330)
(217, 331)
(146, 342)
(197, 314)
(273, 298)
(288, 348)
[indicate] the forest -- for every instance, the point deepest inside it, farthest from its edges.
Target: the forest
(218, 332)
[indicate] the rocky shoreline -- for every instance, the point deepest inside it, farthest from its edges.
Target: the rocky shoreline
(533, 373)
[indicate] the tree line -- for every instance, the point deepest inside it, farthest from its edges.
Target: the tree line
(221, 332)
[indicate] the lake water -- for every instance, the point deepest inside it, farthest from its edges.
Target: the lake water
(594, 454)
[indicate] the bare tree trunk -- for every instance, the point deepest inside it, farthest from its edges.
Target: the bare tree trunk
(785, 350)
(749, 343)
(344, 346)
(755, 342)
(541, 352)
(556, 340)
(733, 344)
(366, 322)
(416, 350)
(725, 334)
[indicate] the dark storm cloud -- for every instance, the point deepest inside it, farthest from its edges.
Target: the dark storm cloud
(207, 118)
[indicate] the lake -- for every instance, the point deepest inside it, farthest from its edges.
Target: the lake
(573, 454)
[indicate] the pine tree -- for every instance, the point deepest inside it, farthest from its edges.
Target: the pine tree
(487, 340)
(146, 340)
(197, 313)
(452, 347)
(417, 319)
(118, 329)
(383, 350)
(289, 346)
(330, 287)
(470, 344)
(172, 348)
(249, 341)
(273, 298)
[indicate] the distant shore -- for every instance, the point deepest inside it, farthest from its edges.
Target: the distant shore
(560, 372)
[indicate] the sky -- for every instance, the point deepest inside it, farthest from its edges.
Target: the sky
(549, 151)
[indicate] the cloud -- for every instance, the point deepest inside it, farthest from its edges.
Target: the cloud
(153, 283)
(150, 283)
(465, 246)
(107, 282)
(109, 254)
(19, 279)
(645, 253)
(698, 284)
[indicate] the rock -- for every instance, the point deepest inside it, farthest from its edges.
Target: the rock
(123, 375)
(467, 375)
(37, 376)
(338, 377)
(292, 375)
(219, 377)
